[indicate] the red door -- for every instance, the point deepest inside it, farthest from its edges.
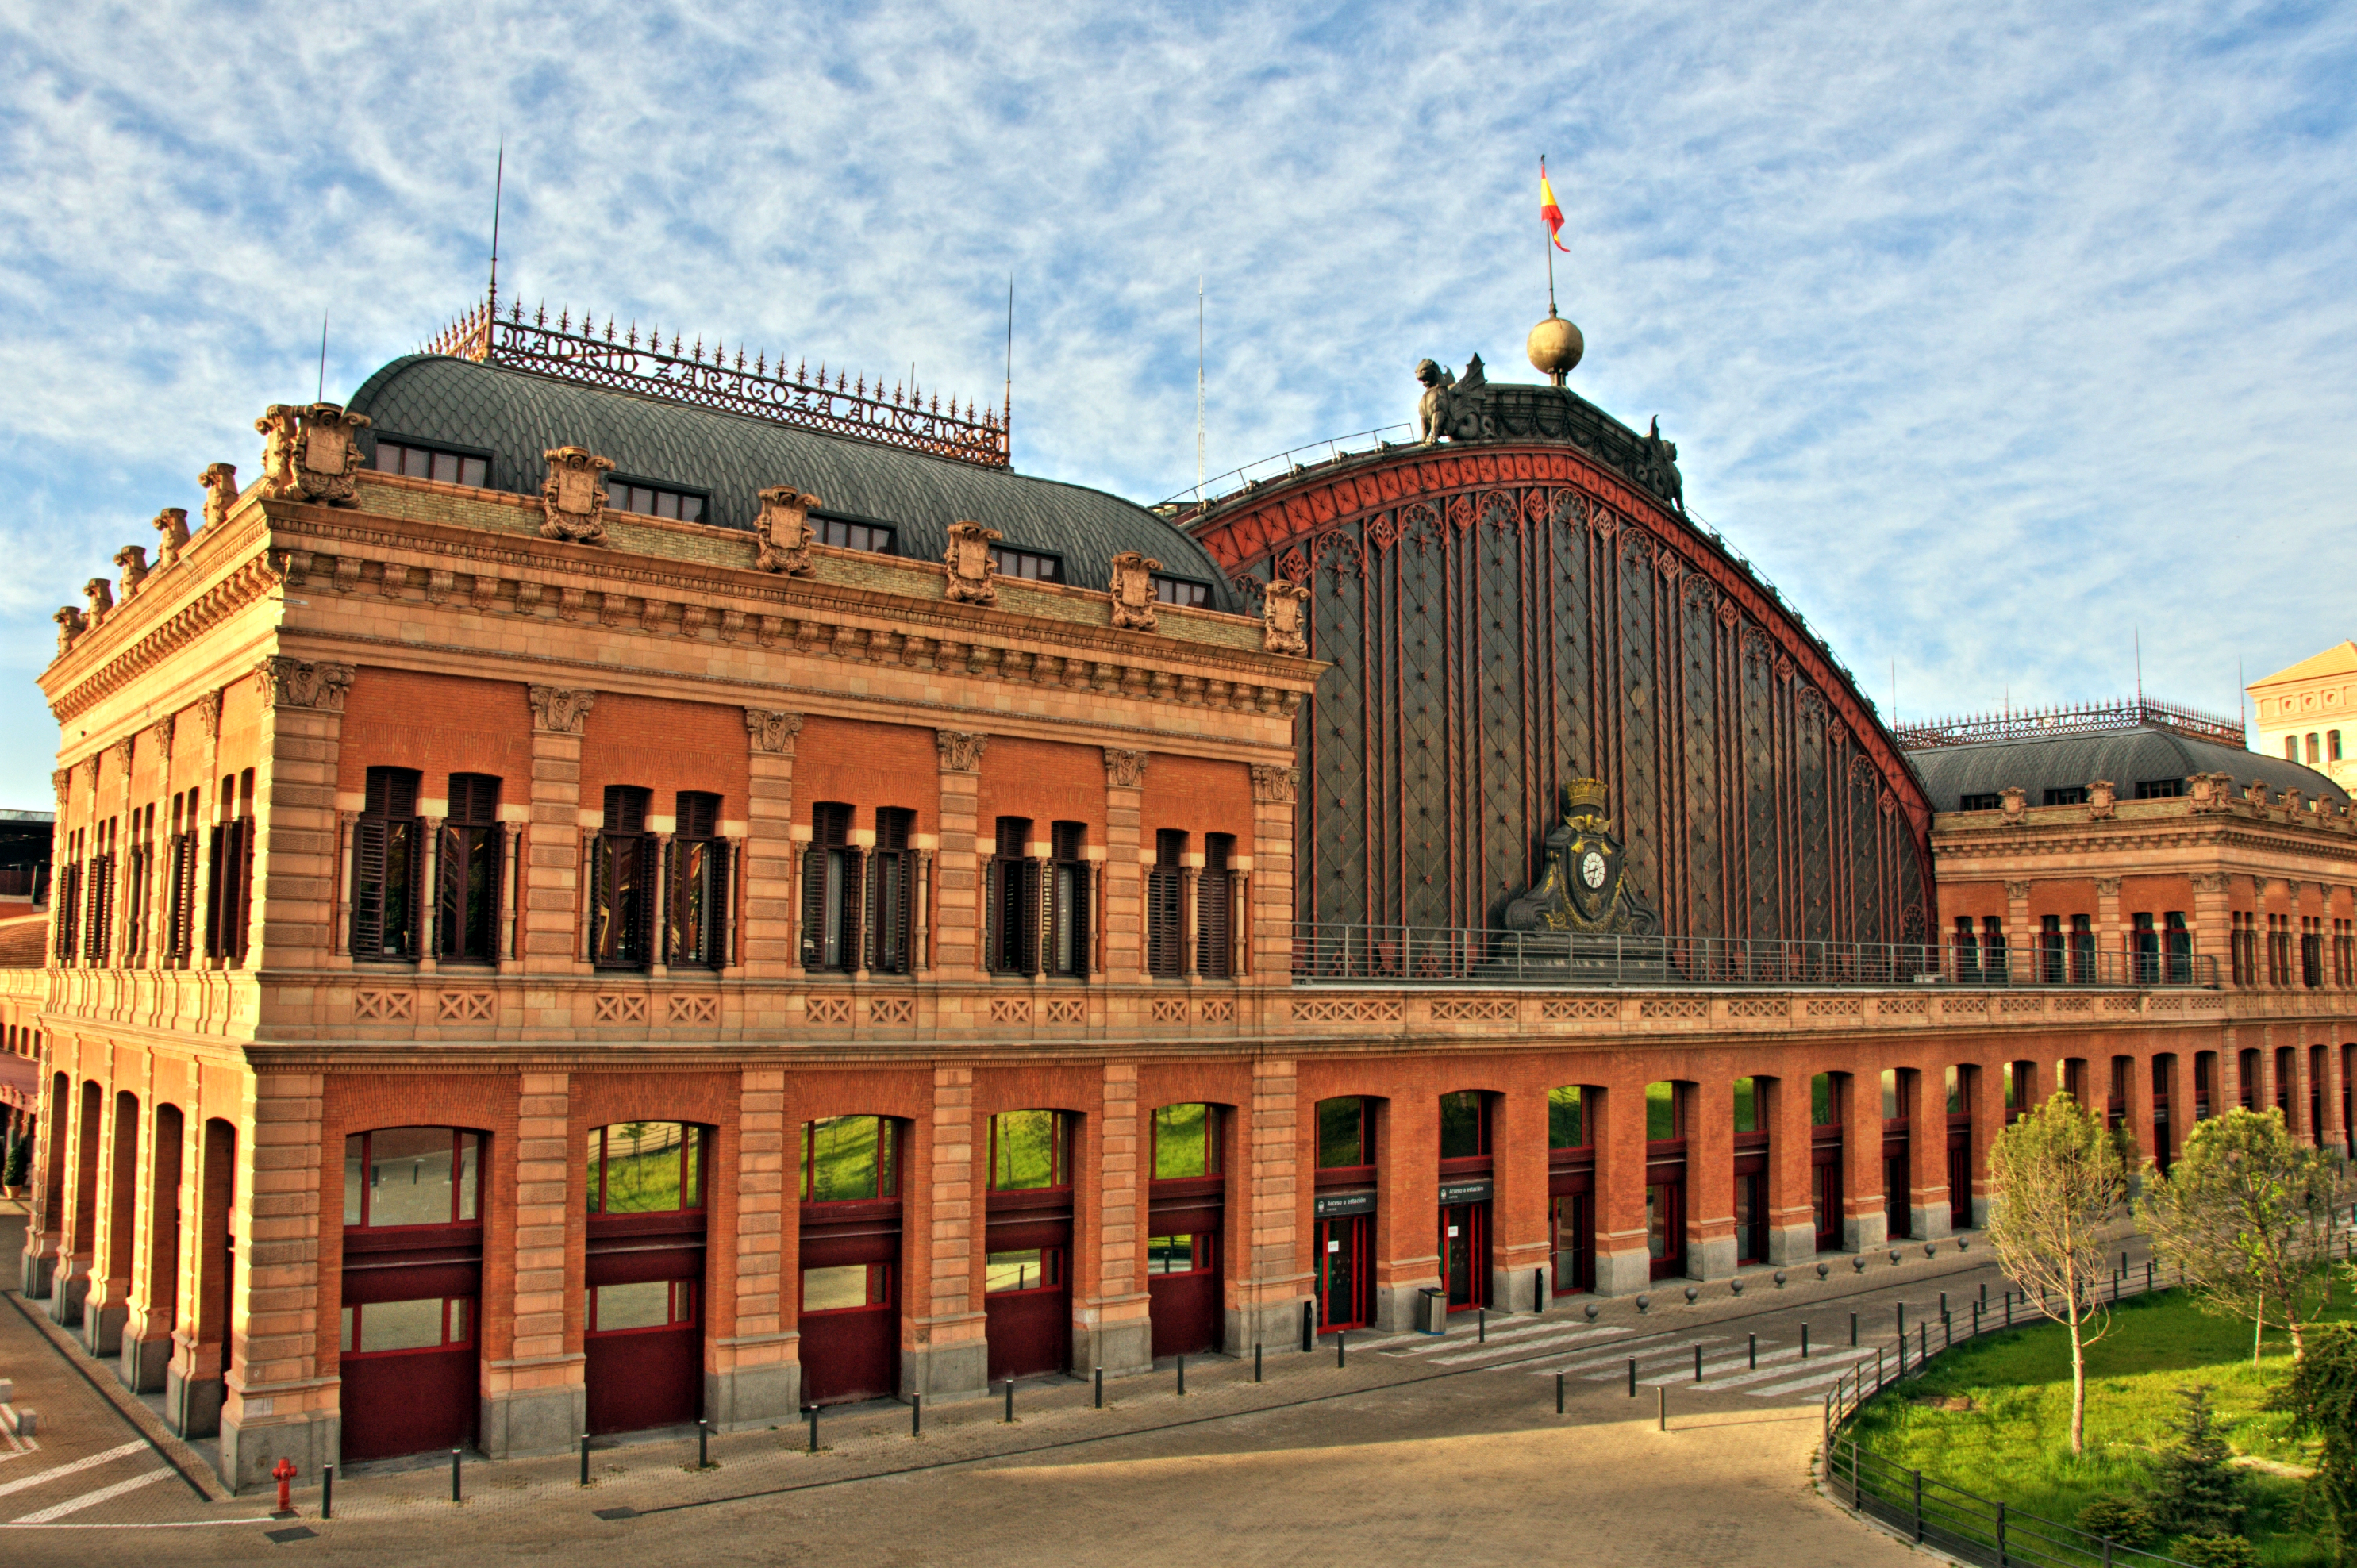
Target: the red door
(1465, 1255)
(1571, 1224)
(410, 1383)
(850, 1302)
(1346, 1285)
(1185, 1273)
(643, 1352)
(1665, 1226)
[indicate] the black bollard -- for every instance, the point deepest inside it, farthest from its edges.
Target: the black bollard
(1698, 1363)
(1662, 1408)
(702, 1445)
(1804, 1342)
(1985, 1293)
(1182, 1377)
(1944, 1304)
(916, 1415)
(1923, 1343)
(1853, 1330)
(1099, 1394)
(1902, 1319)
(1538, 1290)
(457, 1488)
(327, 1491)
(1308, 1328)
(1256, 1361)
(2148, 1276)
(585, 1458)
(1558, 1393)
(1341, 1349)
(814, 1443)
(1010, 1400)
(1482, 1326)
(1632, 1377)
(1752, 1353)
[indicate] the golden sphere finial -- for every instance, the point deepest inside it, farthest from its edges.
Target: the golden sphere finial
(1555, 346)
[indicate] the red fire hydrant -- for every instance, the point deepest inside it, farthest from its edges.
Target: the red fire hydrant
(284, 1475)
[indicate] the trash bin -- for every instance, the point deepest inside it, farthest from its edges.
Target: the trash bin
(1432, 1313)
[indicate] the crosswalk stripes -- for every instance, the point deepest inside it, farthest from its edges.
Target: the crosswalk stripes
(56, 1472)
(92, 1499)
(1431, 1344)
(1495, 1351)
(1833, 1367)
(1616, 1361)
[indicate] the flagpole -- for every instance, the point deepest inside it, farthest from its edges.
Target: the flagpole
(1546, 242)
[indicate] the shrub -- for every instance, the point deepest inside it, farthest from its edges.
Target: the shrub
(2124, 1521)
(20, 1161)
(2194, 1491)
(2215, 1551)
(2322, 1397)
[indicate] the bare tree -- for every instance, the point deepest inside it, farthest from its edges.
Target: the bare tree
(2063, 1179)
(2247, 1213)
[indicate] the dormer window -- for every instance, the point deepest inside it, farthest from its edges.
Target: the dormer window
(654, 500)
(1030, 565)
(1182, 591)
(845, 534)
(441, 464)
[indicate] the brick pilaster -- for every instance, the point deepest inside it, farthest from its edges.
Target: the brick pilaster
(553, 869)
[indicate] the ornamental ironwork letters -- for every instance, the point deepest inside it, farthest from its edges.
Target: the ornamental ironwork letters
(785, 531)
(1132, 590)
(1283, 624)
(309, 453)
(1124, 769)
(287, 683)
(961, 750)
(772, 731)
(574, 495)
(558, 710)
(971, 564)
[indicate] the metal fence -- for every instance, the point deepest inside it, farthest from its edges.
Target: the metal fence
(1964, 1524)
(1326, 952)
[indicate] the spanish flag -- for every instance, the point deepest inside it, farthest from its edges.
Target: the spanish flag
(1550, 212)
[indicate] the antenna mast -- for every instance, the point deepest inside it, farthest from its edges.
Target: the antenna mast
(321, 395)
(499, 192)
(1198, 387)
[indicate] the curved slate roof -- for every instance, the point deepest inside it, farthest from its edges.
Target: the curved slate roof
(516, 416)
(2127, 758)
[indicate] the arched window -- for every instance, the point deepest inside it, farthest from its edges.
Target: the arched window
(1464, 1125)
(1030, 1150)
(1567, 1117)
(847, 1159)
(646, 1167)
(1346, 1133)
(411, 1176)
(1186, 1141)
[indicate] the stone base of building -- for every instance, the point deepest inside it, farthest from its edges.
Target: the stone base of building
(192, 1406)
(1624, 1273)
(957, 1370)
(751, 1398)
(1124, 1349)
(144, 1363)
(538, 1420)
(1711, 1260)
(250, 1452)
(1518, 1290)
(1788, 1245)
(102, 1328)
(39, 1275)
(1273, 1326)
(1930, 1222)
(1396, 1305)
(68, 1289)
(1865, 1232)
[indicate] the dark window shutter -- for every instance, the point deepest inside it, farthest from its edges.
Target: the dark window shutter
(214, 889)
(1083, 931)
(600, 906)
(719, 933)
(855, 890)
(369, 836)
(1211, 925)
(1030, 912)
(1165, 890)
(642, 910)
(241, 929)
(450, 892)
(814, 910)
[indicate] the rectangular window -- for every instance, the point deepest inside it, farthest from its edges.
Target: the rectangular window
(831, 877)
(2315, 751)
(1180, 1254)
(1030, 564)
(1892, 1110)
(411, 1175)
(381, 1328)
(1013, 914)
(847, 1287)
(2291, 749)
(1346, 1133)
(2332, 746)
(1182, 591)
(643, 1304)
(1464, 1125)
(1165, 906)
(1662, 1121)
(414, 461)
(466, 895)
(621, 889)
(1028, 1151)
(1186, 1141)
(1214, 921)
(386, 843)
(1986, 802)
(2073, 795)
(1029, 1267)
(654, 500)
(1953, 1081)
(1747, 1105)
(2159, 788)
(849, 1159)
(1824, 1106)
(846, 534)
(1567, 1117)
(1070, 887)
(645, 1168)
(892, 893)
(696, 911)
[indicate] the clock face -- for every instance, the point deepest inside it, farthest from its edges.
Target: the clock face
(1591, 869)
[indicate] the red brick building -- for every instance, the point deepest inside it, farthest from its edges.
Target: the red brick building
(608, 888)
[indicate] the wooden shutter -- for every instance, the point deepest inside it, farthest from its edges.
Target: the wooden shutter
(1077, 917)
(714, 942)
(450, 892)
(1212, 929)
(214, 889)
(855, 907)
(1028, 913)
(642, 909)
(66, 895)
(813, 911)
(369, 839)
(1165, 920)
(600, 903)
(242, 935)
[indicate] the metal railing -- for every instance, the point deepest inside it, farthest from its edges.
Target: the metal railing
(1284, 465)
(1935, 1513)
(2073, 719)
(1334, 953)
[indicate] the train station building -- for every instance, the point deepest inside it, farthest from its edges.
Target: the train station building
(604, 887)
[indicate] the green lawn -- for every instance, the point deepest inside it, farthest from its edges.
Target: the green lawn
(2015, 1443)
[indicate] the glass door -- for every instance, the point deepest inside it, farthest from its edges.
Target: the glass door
(1465, 1254)
(1343, 1280)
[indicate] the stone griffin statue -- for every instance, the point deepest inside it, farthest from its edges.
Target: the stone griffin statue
(1284, 623)
(1450, 406)
(1133, 591)
(310, 452)
(572, 497)
(785, 531)
(971, 564)
(1585, 888)
(219, 482)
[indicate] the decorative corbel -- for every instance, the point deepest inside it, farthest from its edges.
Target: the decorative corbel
(71, 625)
(558, 710)
(100, 594)
(772, 731)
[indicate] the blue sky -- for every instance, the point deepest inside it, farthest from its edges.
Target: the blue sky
(1993, 334)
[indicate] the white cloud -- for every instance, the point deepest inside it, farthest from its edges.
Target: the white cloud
(1990, 334)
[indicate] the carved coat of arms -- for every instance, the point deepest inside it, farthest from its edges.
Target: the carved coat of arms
(1283, 627)
(1585, 888)
(308, 452)
(1132, 590)
(971, 564)
(574, 495)
(785, 531)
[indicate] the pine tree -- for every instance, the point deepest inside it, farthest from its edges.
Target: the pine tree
(2322, 1397)
(2194, 1490)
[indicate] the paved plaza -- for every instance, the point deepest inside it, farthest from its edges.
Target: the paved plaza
(1415, 1448)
